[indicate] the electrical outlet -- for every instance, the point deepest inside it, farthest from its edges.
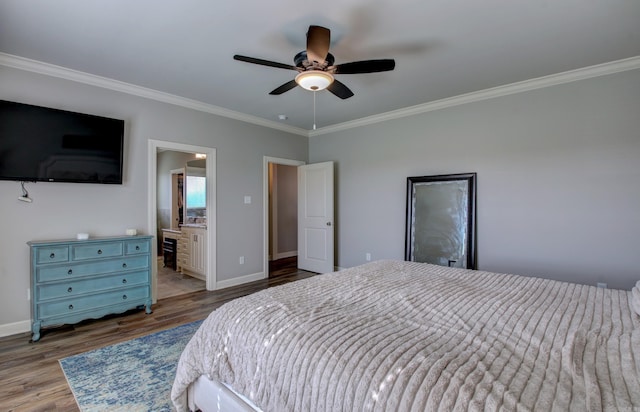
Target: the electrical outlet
(367, 257)
(602, 285)
(242, 260)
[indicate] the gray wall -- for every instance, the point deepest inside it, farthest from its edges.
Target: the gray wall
(558, 179)
(60, 210)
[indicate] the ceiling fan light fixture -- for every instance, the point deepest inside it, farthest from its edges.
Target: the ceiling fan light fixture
(314, 80)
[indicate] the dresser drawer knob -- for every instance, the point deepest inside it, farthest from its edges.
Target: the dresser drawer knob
(52, 255)
(70, 307)
(70, 290)
(124, 280)
(70, 272)
(99, 251)
(124, 265)
(137, 247)
(124, 297)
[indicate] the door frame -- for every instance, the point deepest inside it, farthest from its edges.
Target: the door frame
(265, 204)
(152, 224)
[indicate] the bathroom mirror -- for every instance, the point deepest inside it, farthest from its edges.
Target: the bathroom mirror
(195, 192)
(440, 225)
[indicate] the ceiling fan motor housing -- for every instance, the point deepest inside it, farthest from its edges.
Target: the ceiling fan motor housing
(301, 58)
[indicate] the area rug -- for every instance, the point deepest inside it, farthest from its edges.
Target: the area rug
(135, 375)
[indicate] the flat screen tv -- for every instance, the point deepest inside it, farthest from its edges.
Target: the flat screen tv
(39, 144)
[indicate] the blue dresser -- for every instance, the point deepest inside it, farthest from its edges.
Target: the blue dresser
(73, 280)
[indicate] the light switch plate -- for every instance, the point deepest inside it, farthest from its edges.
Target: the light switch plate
(247, 200)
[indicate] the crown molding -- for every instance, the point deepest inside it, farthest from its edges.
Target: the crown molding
(35, 66)
(617, 66)
(52, 70)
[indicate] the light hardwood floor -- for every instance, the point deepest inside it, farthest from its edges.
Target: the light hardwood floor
(31, 378)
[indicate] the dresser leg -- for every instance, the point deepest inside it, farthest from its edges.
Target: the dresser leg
(35, 328)
(148, 308)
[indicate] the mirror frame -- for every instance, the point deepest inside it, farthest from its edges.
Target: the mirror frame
(470, 178)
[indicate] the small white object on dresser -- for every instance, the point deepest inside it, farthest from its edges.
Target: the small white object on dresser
(73, 280)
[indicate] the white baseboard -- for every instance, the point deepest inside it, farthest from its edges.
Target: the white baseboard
(284, 255)
(222, 284)
(15, 328)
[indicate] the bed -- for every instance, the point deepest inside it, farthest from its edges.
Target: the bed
(406, 336)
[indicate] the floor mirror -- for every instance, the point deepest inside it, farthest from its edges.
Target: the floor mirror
(441, 220)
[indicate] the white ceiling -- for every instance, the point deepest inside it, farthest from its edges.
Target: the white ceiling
(442, 48)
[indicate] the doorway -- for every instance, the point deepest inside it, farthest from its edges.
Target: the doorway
(160, 215)
(281, 209)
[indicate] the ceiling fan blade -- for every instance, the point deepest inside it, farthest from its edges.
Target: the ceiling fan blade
(264, 62)
(284, 88)
(340, 90)
(366, 66)
(318, 41)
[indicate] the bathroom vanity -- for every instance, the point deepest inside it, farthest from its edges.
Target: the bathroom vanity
(191, 249)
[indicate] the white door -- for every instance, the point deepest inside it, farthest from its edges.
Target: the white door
(315, 217)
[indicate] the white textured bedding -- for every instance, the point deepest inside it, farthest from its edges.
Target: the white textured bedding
(403, 336)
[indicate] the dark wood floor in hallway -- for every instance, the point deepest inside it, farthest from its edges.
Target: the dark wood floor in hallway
(283, 266)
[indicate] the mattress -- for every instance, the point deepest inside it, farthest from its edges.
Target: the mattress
(406, 336)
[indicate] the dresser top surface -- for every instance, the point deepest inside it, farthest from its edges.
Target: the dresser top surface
(90, 240)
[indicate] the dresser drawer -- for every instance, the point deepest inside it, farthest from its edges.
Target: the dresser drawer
(82, 303)
(96, 250)
(83, 286)
(73, 270)
(134, 247)
(52, 254)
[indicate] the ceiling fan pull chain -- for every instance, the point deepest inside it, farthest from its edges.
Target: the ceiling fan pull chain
(314, 110)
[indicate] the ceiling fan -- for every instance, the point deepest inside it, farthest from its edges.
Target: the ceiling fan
(316, 69)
